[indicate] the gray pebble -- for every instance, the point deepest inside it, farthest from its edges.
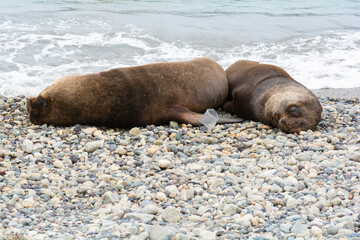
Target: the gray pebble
(171, 214)
(93, 146)
(162, 233)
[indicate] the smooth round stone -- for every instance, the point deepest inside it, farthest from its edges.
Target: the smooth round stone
(153, 149)
(230, 209)
(173, 124)
(207, 235)
(300, 229)
(135, 131)
(89, 131)
(316, 231)
(164, 164)
(150, 209)
(110, 197)
(120, 150)
(171, 214)
(354, 156)
(291, 203)
(29, 203)
(58, 164)
(28, 146)
(162, 233)
(93, 146)
(161, 196)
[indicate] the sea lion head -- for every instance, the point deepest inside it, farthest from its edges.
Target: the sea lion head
(37, 109)
(293, 110)
(44, 109)
(54, 105)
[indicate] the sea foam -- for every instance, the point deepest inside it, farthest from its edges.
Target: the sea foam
(31, 60)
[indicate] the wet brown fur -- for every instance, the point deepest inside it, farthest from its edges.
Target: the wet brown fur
(268, 94)
(133, 96)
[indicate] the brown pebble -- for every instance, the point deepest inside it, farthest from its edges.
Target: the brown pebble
(132, 194)
(121, 214)
(2, 172)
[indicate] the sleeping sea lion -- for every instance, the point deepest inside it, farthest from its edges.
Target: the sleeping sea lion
(268, 94)
(134, 96)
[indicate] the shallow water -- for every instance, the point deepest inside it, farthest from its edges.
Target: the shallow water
(317, 42)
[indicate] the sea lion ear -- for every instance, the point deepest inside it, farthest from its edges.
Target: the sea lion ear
(294, 110)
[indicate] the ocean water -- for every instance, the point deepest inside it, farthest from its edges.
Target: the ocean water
(317, 42)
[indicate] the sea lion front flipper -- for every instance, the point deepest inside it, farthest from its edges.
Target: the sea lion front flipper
(184, 115)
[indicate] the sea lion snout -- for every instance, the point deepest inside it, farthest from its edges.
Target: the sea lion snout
(294, 125)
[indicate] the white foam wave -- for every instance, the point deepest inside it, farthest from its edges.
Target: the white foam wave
(30, 61)
(331, 60)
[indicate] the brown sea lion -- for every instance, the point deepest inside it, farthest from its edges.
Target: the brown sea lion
(134, 96)
(268, 94)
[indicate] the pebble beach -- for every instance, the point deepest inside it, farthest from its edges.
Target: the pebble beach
(176, 181)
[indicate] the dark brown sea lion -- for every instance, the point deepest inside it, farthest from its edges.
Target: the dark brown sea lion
(134, 96)
(268, 94)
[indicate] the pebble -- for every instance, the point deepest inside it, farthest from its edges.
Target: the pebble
(89, 131)
(171, 214)
(120, 150)
(27, 146)
(177, 181)
(110, 197)
(291, 203)
(316, 231)
(173, 124)
(161, 196)
(230, 209)
(141, 217)
(300, 229)
(354, 156)
(93, 146)
(58, 164)
(29, 203)
(164, 163)
(135, 131)
(207, 235)
(153, 149)
(150, 209)
(162, 233)
(48, 192)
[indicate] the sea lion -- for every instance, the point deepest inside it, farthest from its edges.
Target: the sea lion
(268, 94)
(134, 96)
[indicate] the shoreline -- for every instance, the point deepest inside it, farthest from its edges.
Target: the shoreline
(346, 93)
(239, 181)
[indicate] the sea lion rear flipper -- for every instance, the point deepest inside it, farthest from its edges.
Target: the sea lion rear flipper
(184, 115)
(223, 120)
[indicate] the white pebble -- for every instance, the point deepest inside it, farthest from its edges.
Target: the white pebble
(164, 163)
(58, 164)
(28, 146)
(291, 203)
